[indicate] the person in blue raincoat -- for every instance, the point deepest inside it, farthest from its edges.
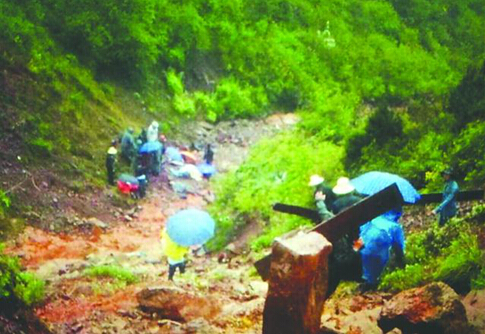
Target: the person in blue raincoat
(379, 237)
(447, 207)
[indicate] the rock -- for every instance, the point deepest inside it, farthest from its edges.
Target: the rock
(474, 304)
(200, 326)
(364, 321)
(434, 308)
(128, 218)
(96, 222)
(176, 304)
(298, 283)
(395, 331)
(206, 125)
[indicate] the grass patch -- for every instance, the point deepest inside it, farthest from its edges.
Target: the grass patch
(117, 273)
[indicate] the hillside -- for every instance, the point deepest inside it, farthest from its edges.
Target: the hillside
(383, 85)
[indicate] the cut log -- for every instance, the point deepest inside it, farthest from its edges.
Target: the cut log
(297, 285)
(349, 219)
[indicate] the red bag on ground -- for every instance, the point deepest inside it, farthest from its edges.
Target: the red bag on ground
(126, 188)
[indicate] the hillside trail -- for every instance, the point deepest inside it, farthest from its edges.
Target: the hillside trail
(77, 303)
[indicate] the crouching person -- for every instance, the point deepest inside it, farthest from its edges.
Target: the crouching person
(379, 237)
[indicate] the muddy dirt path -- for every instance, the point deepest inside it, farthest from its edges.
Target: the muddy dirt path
(78, 303)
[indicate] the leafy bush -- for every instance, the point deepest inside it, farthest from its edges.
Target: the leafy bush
(29, 288)
(411, 276)
(478, 283)
(469, 144)
(4, 203)
(450, 254)
(15, 283)
(175, 82)
(277, 170)
(462, 263)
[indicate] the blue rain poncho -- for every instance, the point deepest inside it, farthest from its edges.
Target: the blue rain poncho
(379, 235)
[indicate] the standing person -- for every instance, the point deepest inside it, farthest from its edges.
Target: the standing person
(175, 254)
(142, 137)
(346, 195)
(322, 190)
(208, 154)
(111, 162)
(152, 131)
(447, 208)
(128, 147)
(344, 263)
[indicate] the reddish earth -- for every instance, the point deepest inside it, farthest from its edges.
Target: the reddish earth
(76, 303)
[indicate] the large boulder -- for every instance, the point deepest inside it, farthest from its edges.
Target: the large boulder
(434, 308)
(475, 309)
(176, 304)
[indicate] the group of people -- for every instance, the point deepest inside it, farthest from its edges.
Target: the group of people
(143, 155)
(363, 253)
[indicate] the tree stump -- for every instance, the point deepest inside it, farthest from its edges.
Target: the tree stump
(297, 284)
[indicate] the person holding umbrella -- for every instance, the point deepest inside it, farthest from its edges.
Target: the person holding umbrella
(175, 254)
(188, 227)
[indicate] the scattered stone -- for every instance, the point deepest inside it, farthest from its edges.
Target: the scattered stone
(364, 321)
(96, 222)
(206, 126)
(176, 304)
(434, 308)
(128, 218)
(199, 326)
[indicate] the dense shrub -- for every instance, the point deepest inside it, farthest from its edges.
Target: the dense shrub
(450, 254)
(17, 284)
(277, 170)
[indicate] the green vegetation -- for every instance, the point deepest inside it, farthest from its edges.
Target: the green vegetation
(450, 254)
(277, 170)
(400, 91)
(111, 271)
(15, 283)
(117, 278)
(4, 204)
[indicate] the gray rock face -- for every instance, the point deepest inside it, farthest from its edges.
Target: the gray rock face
(434, 308)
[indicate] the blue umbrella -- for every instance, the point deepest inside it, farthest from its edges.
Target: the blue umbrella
(151, 146)
(373, 182)
(190, 227)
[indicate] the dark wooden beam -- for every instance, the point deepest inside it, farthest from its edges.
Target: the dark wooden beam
(299, 211)
(467, 195)
(349, 219)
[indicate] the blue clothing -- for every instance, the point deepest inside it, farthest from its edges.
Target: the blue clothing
(379, 235)
(447, 208)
